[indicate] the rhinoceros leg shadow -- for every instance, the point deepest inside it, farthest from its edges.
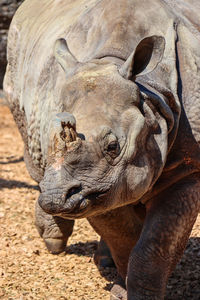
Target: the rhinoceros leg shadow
(82, 249)
(88, 249)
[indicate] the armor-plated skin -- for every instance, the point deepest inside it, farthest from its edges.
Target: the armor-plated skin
(106, 97)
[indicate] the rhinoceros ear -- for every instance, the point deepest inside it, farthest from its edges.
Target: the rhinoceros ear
(63, 55)
(145, 58)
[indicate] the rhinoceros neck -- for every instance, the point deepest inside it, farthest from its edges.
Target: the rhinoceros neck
(183, 157)
(183, 160)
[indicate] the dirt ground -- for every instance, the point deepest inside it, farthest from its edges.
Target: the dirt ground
(28, 271)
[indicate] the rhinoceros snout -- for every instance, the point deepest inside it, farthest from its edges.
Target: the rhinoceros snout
(66, 203)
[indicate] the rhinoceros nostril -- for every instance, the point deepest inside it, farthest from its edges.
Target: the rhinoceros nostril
(72, 191)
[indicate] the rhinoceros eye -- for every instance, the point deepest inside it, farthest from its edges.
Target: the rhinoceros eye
(113, 146)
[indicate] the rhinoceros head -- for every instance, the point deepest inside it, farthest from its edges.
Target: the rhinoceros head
(109, 145)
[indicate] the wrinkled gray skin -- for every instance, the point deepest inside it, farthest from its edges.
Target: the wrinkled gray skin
(111, 127)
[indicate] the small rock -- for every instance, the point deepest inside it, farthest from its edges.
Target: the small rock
(2, 214)
(27, 238)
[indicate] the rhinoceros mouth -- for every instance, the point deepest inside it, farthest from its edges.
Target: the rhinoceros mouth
(77, 206)
(86, 206)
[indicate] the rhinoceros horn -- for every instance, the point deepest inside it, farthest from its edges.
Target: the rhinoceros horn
(63, 133)
(64, 56)
(144, 58)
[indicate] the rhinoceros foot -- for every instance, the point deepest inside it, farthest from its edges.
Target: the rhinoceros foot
(55, 231)
(55, 246)
(103, 257)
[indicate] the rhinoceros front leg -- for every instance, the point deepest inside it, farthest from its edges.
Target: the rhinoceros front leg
(120, 229)
(55, 231)
(167, 227)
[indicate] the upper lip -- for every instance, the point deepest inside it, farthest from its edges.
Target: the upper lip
(86, 202)
(80, 213)
(75, 204)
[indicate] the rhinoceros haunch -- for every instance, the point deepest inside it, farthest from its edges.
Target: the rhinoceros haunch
(111, 127)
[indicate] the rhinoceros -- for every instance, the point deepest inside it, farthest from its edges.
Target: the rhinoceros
(106, 97)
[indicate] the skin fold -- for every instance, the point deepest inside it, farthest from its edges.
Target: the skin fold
(106, 98)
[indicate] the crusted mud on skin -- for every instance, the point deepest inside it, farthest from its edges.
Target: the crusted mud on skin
(28, 271)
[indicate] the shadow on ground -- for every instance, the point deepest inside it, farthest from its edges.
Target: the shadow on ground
(88, 249)
(82, 249)
(12, 184)
(14, 161)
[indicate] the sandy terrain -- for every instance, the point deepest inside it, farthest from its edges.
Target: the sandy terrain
(28, 271)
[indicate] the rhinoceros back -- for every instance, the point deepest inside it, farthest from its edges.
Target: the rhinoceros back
(33, 79)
